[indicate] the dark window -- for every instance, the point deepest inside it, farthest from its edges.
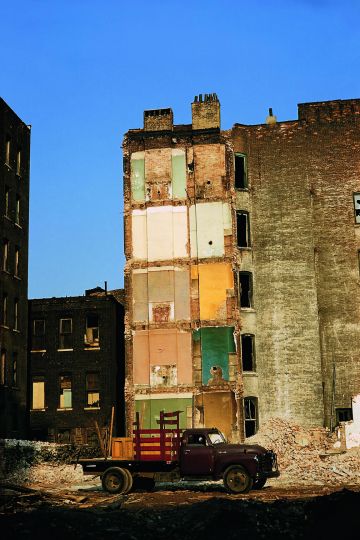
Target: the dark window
(250, 410)
(357, 207)
(243, 229)
(248, 352)
(38, 335)
(343, 415)
(7, 197)
(246, 286)
(65, 383)
(240, 171)
(92, 390)
(92, 338)
(5, 265)
(17, 210)
(5, 310)
(7, 151)
(14, 369)
(18, 162)
(65, 334)
(64, 436)
(16, 314)
(3, 367)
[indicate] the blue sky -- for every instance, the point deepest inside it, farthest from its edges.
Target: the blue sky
(82, 72)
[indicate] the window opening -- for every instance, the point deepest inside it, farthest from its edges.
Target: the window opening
(65, 392)
(16, 265)
(38, 335)
(343, 415)
(92, 390)
(14, 369)
(250, 409)
(7, 151)
(5, 312)
(248, 352)
(65, 334)
(243, 229)
(16, 314)
(38, 392)
(240, 171)
(3, 367)
(17, 210)
(7, 196)
(6, 256)
(91, 338)
(246, 293)
(357, 207)
(18, 162)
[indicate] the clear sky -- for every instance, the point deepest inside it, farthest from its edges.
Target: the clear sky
(82, 72)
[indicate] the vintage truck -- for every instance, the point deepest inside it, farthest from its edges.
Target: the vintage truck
(170, 454)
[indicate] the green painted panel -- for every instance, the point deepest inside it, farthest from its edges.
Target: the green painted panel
(178, 176)
(138, 179)
(149, 410)
(216, 344)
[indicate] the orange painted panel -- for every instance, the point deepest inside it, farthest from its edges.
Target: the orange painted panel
(214, 280)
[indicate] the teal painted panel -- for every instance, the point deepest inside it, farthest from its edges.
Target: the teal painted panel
(149, 410)
(216, 344)
(178, 176)
(138, 179)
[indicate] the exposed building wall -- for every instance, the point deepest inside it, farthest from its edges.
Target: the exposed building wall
(14, 233)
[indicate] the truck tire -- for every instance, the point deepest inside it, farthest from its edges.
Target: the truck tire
(259, 484)
(116, 480)
(237, 479)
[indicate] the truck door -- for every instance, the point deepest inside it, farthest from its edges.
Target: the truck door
(197, 456)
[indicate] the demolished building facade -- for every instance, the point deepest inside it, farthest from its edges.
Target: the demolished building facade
(242, 272)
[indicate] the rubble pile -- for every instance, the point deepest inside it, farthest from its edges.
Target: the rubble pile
(307, 456)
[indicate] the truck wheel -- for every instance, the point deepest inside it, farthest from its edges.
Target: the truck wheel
(130, 480)
(115, 480)
(259, 484)
(237, 479)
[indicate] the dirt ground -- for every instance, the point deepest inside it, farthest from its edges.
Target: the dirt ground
(185, 510)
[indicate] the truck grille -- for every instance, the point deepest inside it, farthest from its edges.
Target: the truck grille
(267, 462)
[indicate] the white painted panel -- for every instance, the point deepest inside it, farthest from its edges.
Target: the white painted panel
(207, 230)
(180, 231)
(139, 234)
(160, 233)
(227, 219)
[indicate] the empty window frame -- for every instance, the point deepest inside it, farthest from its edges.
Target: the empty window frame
(5, 265)
(16, 261)
(65, 392)
(243, 229)
(246, 289)
(93, 390)
(248, 352)
(18, 162)
(5, 310)
(357, 207)
(3, 367)
(343, 415)
(7, 198)
(250, 415)
(240, 171)
(14, 373)
(38, 393)
(38, 335)
(16, 314)
(17, 210)
(65, 334)
(91, 338)
(7, 151)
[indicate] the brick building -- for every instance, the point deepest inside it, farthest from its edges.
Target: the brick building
(76, 365)
(242, 273)
(14, 232)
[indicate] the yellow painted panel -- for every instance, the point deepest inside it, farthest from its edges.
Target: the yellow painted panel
(214, 280)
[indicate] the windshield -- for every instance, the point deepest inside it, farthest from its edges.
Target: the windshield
(216, 438)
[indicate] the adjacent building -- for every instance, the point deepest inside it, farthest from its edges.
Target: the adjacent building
(242, 273)
(76, 366)
(14, 233)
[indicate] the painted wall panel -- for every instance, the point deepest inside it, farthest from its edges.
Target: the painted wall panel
(219, 411)
(140, 297)
(182, 295)
(139, 234)
(167, 232)
(149, 410)
(138, 176)
(214, 280)
(168, 347)
(216, 345)
(208, 223)
(178, 163)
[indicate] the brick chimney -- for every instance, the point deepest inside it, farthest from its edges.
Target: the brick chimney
(158, 120)
(206, 112)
